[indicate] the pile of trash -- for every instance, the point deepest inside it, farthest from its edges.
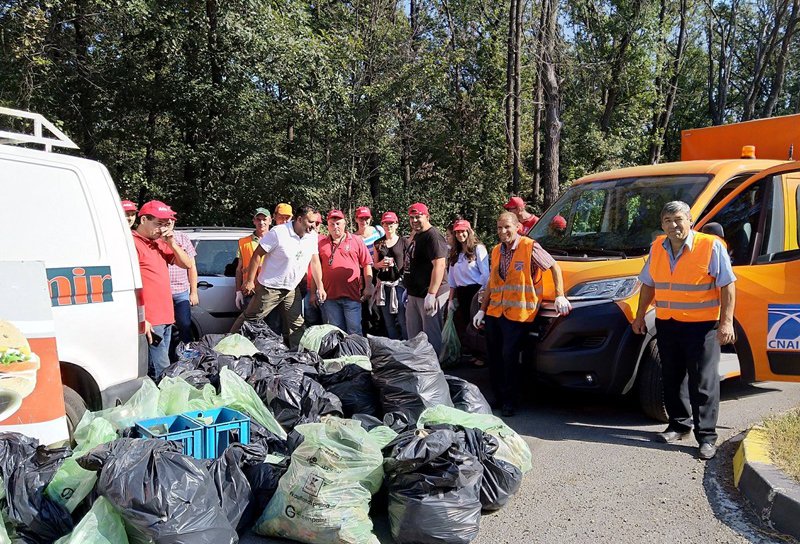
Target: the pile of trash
(332, 424)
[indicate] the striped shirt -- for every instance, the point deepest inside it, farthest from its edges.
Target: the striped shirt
(179, 277)
(539, 257)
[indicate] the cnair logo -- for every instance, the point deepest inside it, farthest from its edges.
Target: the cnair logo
(783, 324)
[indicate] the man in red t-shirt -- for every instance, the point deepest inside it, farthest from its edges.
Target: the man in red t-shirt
(343, 256)
(156, 247)
(526, 219)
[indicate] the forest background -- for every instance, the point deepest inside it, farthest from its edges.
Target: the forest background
(220, 106)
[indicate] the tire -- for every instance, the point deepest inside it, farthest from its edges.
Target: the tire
(75, 408)
(651, 386)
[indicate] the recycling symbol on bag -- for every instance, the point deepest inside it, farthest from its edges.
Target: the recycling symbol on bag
(290, 512)
(313, 485)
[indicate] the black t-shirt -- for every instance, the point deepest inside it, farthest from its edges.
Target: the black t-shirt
(424, 248)
(397, 252)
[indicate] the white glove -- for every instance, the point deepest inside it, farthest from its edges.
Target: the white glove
(477, 319)
(563, 306)
(239, 299)
(431, 304)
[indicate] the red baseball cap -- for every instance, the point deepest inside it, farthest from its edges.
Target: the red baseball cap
(558, 222)
(129, 206)
(389, 217)
(157, 209)
(418, 209)
(514, 202)
(363, 211)
(461, 224)
(335, 214)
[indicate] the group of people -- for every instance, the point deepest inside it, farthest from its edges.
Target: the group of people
(412, 279)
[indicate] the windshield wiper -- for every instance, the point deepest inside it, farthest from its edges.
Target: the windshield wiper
(587, 251)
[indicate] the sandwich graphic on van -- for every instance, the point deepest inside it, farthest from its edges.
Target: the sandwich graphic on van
(18, 367)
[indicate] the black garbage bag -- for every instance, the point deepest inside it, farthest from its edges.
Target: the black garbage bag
(367, 421)
(328, 348)
(293, 396)
(167, 496)
(233, 486)
(467, 396)
(208, 341)
(407, 375)
(434, 488)
(282, 358)
(352, 344)
(501, 479)
(242, 366)
(399, 422)
(353, 385)
(26, 469)
(263, 479)
(264, 338)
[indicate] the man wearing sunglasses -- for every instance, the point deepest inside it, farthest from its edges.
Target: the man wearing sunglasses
(343, 257)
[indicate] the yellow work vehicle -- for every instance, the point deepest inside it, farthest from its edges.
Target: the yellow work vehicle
(612, 218)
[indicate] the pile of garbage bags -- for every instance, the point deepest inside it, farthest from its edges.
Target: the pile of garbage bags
(333, 424)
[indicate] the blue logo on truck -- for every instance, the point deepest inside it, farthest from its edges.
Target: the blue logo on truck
(783, 327)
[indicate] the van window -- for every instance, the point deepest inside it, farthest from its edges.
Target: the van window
(49, 206)
(725, 190)
(216, 257)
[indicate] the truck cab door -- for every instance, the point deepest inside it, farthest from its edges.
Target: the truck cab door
(761, 230)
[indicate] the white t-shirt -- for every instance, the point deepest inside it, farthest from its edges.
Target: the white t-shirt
(288, 256)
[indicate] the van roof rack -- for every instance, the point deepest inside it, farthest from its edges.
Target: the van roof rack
(55, 139)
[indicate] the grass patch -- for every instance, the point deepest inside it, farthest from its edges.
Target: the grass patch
(784, 442)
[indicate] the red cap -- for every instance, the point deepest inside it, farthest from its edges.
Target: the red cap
(418, 209)
(461, 224)
(363, 211)
(558, 222)
(389, 217)
(514, 202)
(129, 206)
(157, 209)
(335, 214)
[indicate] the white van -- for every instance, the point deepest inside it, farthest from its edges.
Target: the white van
(65, 211)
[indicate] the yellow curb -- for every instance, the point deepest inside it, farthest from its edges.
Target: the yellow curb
(753, 449)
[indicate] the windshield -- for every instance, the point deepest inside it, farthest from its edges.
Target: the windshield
(616, 218)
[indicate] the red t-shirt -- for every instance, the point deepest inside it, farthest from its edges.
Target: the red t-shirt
(154, 256)
(527, 225)
(342, 274)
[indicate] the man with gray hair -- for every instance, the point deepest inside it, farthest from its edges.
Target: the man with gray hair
(689, 276)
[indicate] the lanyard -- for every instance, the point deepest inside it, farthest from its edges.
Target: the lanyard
(335, 246)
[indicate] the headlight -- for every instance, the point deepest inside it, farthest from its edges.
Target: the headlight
(614, 289)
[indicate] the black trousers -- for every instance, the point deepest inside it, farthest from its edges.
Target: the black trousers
(690, 370)
(461, 319)
(504, 343)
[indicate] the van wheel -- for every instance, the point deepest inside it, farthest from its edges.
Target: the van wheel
(75, 408)
(651, 387)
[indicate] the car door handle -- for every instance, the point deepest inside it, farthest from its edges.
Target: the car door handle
(204, 285)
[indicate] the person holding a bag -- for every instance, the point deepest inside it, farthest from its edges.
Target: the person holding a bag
(389, 255)
(468, 273)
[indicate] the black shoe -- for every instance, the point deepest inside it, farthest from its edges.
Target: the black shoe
(508, 410)
(669, 436)
(707, 451)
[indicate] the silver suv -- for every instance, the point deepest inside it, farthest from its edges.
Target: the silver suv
(216, 277)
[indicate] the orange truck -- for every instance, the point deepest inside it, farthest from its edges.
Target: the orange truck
(612, 218)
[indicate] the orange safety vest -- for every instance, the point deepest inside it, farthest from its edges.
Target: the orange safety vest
(247, 247)
(688, 293)
(517, 297)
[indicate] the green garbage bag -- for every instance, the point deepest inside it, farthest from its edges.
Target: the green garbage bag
(382, 435)
(240, 395)
(71, 483)
(142, 405)
(324, 496)
(236, 345)
(177, 396)
(512, 446)
(101, 525)
(332, 366)
(312, 337)
(450, 352)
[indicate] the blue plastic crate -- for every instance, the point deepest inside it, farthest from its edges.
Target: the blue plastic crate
(223, 427)
(178, 428)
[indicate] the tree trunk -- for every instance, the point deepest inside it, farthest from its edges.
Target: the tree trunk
(552, 100)
(618, 67)
(84, 89)
(719, 71)
(515, 177)
(509, 100)
(778, 78)
(766, 45)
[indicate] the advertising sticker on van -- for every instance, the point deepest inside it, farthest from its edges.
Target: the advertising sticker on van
(79, 285)
(783, 324)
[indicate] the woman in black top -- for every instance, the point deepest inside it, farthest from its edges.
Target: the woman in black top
(389, 254)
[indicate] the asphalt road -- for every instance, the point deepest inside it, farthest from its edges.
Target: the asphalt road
(598, 477)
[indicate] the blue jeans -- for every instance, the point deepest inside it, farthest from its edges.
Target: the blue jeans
(395, 323)
(183, 316)
(344, 313)
(158, 356)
